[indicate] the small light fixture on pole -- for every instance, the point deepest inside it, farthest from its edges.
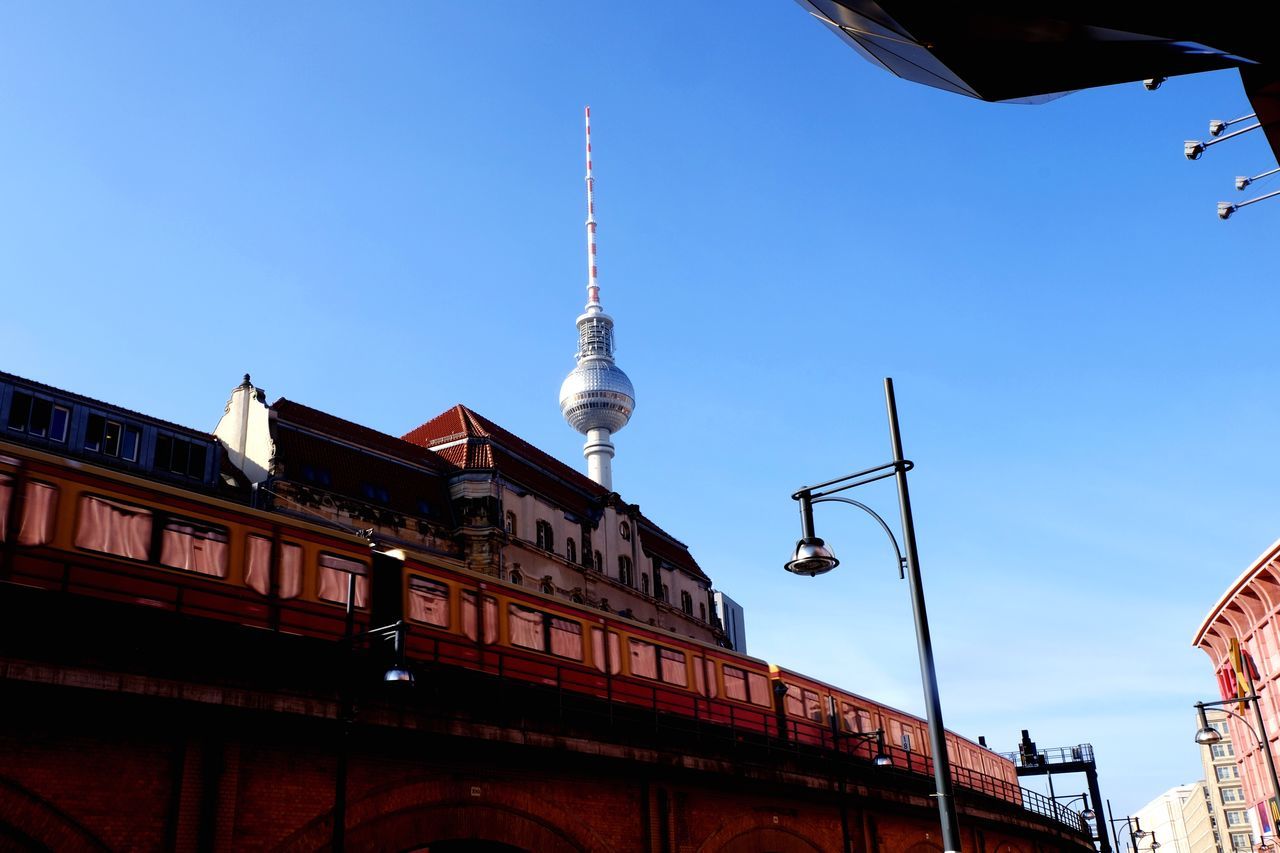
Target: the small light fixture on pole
(812, 557)
(1132, 824)
(1207, 735)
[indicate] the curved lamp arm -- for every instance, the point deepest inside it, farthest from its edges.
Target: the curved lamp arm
(902, 563)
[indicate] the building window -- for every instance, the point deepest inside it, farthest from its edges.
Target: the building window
(1228, 772)
(312, 474)
(375, 493)
(570, 550)
(1236, 818)
(1232, 795)
(599, 562)
(1222, 750)
(625, 575)
(510, 524)
(187, 458)
(545, 539)
(516, 578)
(664, 591)
(548, 587)
(624, 530)
(111, 438)
(37, 417)
(644, 582)
(686, 602)
(702, 611)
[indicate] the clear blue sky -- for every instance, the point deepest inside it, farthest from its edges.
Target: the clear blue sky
(377, 209)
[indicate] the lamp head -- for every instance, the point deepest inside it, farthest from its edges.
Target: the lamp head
(398, 674)
(1243, 181)
(1225, 209)
(1153, 83)
(1088, 814)
(1216, 126)
(883, 760)
(1193, 149)
(811, 558)
(1208, 736)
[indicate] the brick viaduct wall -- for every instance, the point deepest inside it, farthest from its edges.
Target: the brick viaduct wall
(142, 748)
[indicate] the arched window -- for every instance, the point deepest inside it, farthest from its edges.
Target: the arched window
(702, 612)
(664, 591)
(624, 530)
(686, 602)
(599, 562)
(510, 526)
(624, 571)
(644, 582)
(545, 540)
(516, 578)
(548, 587)
(570, 550)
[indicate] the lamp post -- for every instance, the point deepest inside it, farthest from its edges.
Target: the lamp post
(1086, 814)
(1208, 735)
(1133, 825)
(812, 557)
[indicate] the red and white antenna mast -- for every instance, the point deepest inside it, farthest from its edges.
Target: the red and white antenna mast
(593, 284)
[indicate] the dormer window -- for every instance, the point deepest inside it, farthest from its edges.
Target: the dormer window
(548, 587)
(375, 493)
(624, 530)
(545, 538)
(516, 578)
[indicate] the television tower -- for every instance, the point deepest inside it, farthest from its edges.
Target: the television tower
(596, 398)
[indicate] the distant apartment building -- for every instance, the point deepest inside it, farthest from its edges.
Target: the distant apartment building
(1229, 822)
(1165, 818)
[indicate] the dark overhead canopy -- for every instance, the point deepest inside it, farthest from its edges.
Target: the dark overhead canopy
(1035, 51)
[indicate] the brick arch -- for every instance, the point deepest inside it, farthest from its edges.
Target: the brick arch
(28, 821)
(409, 816)
(751, 834)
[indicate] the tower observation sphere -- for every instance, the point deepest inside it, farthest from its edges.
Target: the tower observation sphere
(596, 398)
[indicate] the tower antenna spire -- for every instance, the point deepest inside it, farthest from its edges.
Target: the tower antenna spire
(596, 397)
(593, 282)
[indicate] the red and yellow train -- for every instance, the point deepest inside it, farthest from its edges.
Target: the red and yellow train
(92, 531)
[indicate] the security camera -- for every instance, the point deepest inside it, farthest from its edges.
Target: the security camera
(1153, 83)
(1216, 126)
(1193, 149)
(1225, 209)
(1242, 182)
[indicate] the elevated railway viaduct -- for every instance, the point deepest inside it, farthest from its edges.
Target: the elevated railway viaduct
(127, 728)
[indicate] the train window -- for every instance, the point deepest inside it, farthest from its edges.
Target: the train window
(793, 704)
(758, 687)
(38, 507)
(194, 547)
(429, 602)
(735, 683)
(704, 676)
(598, 652)
(335, 577)
(801, 702)
(855, 719)
(257, 564)
(674, 670)
(113, 528)
(490, 617)
(525, 627)
(566, 638)
(644, 659)
(289, 583)
(6, 497)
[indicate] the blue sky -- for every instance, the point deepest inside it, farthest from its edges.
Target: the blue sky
(377, 210)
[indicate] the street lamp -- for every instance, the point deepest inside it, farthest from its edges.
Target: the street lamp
(881, 758)
(1207, 735)
(812, 557)
(1087, 813)
(1134, 825)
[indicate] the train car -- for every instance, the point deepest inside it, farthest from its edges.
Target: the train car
(118, 533)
